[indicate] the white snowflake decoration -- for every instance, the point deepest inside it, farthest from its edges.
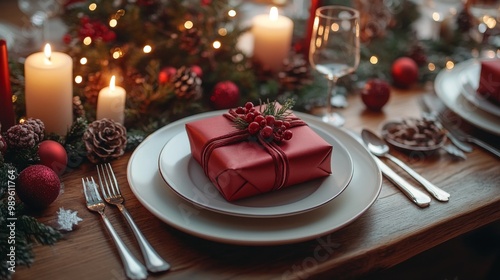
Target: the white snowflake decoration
(67, 218)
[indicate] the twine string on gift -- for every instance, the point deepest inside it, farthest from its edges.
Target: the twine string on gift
(280, 159)
(280, 162)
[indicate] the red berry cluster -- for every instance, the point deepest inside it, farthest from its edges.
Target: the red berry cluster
(267, 125)
(95, 30)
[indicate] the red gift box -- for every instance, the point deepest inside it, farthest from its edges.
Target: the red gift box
(489, 80)
(246, 168)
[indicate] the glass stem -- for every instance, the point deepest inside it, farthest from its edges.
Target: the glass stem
(330, 94)
(42, 29)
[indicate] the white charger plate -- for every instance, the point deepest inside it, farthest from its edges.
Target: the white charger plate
(185, 176)
(470, 83)
(448, 87)
(150, 189)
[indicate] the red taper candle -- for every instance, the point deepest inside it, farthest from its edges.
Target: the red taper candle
(312, 13)
(7, 117)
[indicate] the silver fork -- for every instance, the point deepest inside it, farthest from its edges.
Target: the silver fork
(133, 268)
(112, 195)
(468, 138)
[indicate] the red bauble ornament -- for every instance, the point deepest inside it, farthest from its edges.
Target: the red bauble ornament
(197, 70)
(166, 74)
(225, 95)
(109, 36)
(38, 186)
(53, 155)
(375, 94)
(404, 72)
(67, 38)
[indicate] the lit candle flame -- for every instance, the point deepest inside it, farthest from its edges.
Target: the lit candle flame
(273, 13)
(48, 53)
(112, 83)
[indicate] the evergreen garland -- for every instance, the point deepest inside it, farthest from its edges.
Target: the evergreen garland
(27, 232)
(152, 102)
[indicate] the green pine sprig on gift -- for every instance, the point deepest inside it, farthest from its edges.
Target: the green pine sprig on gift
(241, 122)
(269, 121)
(279, 112)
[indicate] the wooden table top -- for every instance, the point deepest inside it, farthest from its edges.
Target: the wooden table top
(392, 230)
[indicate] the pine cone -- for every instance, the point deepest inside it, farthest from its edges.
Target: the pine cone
(418, 54)
(464, 21)
(3, 147)
(20, 136)
(187, 84)
(105, 140)
(37, 126)
(295, 72)
(190, 40)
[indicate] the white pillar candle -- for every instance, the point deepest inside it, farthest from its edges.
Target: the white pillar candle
(111, 102)
(49, 89)
(272, 39)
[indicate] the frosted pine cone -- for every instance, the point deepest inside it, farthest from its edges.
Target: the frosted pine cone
(190, 40)
(105, 140)
(37, 126)
(295, 73)
(21, 137)
(187, 84)
(3, 146)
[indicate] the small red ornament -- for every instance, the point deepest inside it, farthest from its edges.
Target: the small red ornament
(166, 74)
(225, 95)
(38, 186)
(53, 155)
(109, 36)
(404, 72)
(67, 38)
(375, 94)
(197, 70)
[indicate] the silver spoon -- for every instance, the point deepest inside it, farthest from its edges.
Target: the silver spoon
(378, 147)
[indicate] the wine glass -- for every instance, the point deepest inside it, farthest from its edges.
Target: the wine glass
(334, 50)
(439, 11)
(486, 16)
(38, 12)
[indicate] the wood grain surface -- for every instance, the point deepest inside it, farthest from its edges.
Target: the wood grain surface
(390, 232)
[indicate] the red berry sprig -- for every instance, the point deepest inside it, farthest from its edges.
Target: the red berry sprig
(271, 124)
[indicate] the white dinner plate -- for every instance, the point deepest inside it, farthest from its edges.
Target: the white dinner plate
(150, 189)
(448, 87)
(470, 82)
(185, 176)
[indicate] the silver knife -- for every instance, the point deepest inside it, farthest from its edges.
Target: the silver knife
(418, 197)
(431, 108)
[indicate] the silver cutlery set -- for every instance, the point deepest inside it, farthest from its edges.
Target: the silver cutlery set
(134, 269)
(433, 107)
(460, 143)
